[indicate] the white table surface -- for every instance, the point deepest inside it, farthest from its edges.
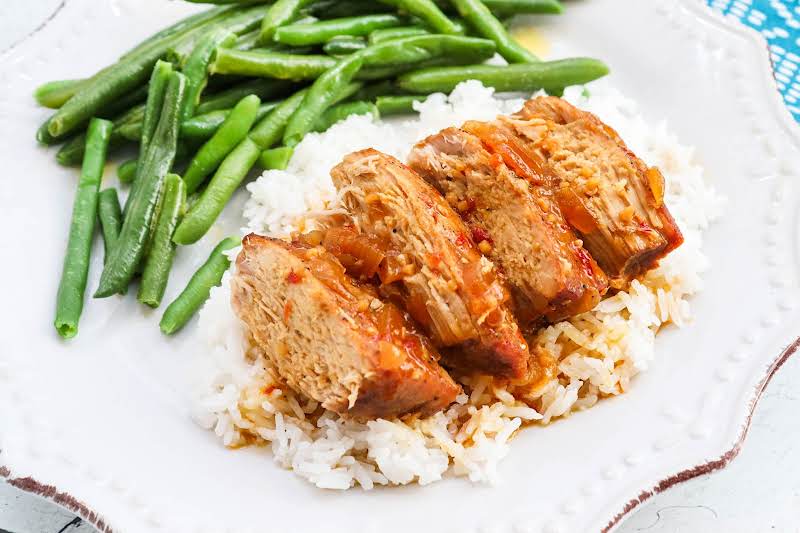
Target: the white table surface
(758, 492)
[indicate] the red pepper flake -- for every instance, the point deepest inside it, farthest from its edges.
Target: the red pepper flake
(412, 345)
(293, 277)
(585, 260)
(645, 227)
(462, 240)
(480, 235)
(287, 311)
(268, 389)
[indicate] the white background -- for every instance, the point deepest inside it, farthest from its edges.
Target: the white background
(759, 492)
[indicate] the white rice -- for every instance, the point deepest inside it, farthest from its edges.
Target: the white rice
(599, 352)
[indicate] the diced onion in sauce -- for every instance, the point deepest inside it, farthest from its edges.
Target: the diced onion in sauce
(360, 254)
(656, 181)
(574, 211)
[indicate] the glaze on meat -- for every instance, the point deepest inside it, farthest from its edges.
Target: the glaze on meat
(432, 265)
(333, 339)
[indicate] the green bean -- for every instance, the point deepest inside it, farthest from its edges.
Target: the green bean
(269, 130)
(53, 94)
(321, 32)
(397, 105)
(69, 301)
(150, 173)
(251, 41)
(43, 135)
(199, 288)
(248, 41)
(347, 92)
(391, 58)
(390, 34)
(264, 89)
(487, 25)
(517, 7)
(162, 250)
(202, 127)
(110, 216)
(131, 72)
(329, 9)
(522, 77)
(282, 12)
(344, 45)
(126, 172)
(271, 64)
(228, 136)
(71, 153)
(196, 68)
(340, 112)
(155, 101)
(183, 153)
(410, 51)
(509, 8)
(276, 158)
(320, 96)
(226, 180)
(229, 2)
(429, 13)
(307, 19)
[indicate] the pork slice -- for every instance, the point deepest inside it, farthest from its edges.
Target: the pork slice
(516, 219)
(432, 265)
(331, 339)
(611, 197)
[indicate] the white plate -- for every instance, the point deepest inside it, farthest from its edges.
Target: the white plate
(101, 423)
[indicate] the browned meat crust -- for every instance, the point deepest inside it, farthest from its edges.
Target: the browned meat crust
(512, 213)
(433, 266)
(611, 198)
(332, 339)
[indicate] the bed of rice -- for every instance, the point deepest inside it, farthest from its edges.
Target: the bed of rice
(599, 352)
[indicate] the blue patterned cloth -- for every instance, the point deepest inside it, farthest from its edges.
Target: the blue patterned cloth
(779, 22)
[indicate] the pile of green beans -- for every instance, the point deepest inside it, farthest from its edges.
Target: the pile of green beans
(130, 72)
(238, 86)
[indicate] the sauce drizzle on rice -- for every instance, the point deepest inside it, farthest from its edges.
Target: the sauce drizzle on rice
(598, 353)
